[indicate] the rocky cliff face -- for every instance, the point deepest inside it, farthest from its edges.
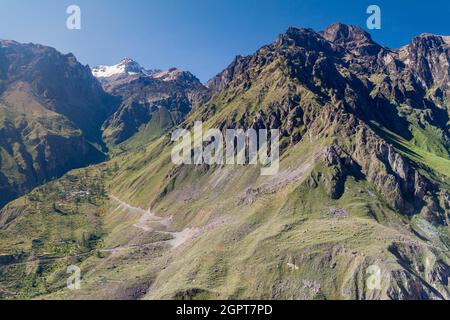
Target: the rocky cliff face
(428, 58)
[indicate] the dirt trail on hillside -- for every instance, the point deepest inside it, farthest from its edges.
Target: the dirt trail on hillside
(147, 217)
(150, 222)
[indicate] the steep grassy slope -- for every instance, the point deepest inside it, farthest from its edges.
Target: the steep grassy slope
(228, 233)
(55, 226)
(36, 147)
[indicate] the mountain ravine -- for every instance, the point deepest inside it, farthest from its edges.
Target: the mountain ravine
(363, 185)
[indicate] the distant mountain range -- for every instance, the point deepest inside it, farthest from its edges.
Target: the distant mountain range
(364, 181)
(153, 101)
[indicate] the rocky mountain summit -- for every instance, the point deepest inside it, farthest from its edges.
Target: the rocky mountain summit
(126, 70)
(127, 66)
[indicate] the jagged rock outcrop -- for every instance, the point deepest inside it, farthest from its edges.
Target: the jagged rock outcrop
(428, 57)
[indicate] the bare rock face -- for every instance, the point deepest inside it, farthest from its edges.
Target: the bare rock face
(427, 267)
(392, 174)
(428, 57)
(353, 39)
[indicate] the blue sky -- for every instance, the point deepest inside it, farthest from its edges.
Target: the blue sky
(202, 36)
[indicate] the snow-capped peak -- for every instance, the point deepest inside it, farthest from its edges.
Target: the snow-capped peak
(126, 67)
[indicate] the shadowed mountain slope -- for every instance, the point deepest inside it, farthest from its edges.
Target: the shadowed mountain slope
(51, 111)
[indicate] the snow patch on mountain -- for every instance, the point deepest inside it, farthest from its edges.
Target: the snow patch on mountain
(126, 67)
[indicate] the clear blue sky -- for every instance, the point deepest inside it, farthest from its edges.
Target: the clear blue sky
(202, 36)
